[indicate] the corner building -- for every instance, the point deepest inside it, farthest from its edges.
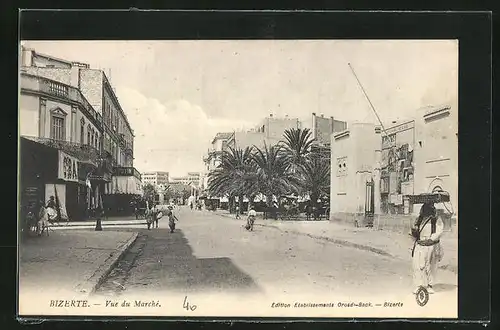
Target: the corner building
(115, 141)
(376, 173)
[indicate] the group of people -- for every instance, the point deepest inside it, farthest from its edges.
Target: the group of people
(155, 213)
(196, 205)
(43, 214)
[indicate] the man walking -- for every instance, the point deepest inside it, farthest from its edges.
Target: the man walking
(427, 251)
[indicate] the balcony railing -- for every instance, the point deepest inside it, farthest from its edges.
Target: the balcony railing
(83, 152)
(126, 171)
(48, 86)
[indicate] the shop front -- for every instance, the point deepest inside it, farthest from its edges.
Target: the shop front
(48, 172)
(38, 165)
(121, 191)
(94, 180)
(397, 168)
(68, 187)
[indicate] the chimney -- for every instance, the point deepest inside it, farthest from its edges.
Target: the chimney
(322, 116)
(26, 56)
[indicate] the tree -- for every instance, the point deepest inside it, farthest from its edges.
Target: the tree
(235, 176)
(149, 192)
(273, 177)
(297, 144)
(315, 178)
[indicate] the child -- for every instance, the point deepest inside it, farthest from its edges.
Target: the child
(171, 219)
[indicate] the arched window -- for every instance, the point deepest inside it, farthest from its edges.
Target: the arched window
(89, 130)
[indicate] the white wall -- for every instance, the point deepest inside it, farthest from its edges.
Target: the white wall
(436, 154)
(29, 107)
(356, 148)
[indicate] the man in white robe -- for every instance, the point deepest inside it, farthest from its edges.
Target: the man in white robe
(427, 251)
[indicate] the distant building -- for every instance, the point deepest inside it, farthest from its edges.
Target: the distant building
(270, 131)
(192, 179)
(156, 178)
(219, 144)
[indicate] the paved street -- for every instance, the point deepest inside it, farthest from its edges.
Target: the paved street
(210, 253)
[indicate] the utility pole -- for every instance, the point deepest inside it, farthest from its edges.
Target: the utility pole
(366, 95)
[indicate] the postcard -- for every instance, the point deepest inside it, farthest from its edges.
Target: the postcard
(238, 178)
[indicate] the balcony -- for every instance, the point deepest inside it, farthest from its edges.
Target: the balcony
(126, 171)
(121, 139)
(128, 150)
(50, 87)
(82, 152)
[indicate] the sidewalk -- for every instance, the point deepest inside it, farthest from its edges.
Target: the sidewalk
(383, 242)
(114, 221)
(69, 261)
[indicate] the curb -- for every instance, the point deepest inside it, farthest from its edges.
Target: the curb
(93, 282)
(103, 225)
(335, 241)
(328, 239)
(447, 267)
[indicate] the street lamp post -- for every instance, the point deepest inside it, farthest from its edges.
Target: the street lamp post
(98, 224)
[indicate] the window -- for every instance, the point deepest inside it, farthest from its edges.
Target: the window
(58, 124)
(89, 129)
(82, 134)
(57, 128)
(341, 166)
(82, 131)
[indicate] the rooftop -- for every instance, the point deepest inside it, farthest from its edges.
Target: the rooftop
(220, 136)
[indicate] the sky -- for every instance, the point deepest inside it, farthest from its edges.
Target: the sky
(178, 94)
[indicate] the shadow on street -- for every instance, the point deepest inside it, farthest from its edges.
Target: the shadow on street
(160, 260)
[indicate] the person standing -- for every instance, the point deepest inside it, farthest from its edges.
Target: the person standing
(237, 212)
(427, 251)
(172, 219)
(251, 219)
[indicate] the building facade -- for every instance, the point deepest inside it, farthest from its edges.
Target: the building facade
(191, 179)
(379, 171)
(58, 116)
(156, 178)
(114, 140)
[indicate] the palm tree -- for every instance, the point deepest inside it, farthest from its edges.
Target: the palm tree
(273, 177)
(315, 178)
(298, 144)
(235, 175)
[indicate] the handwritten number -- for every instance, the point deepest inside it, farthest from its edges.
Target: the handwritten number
(187, 306)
